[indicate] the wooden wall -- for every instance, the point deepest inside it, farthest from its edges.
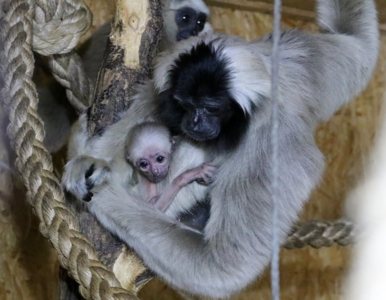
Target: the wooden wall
(291, 8)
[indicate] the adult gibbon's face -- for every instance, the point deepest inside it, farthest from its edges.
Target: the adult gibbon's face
(203, 117)
(198, 102)
(189, 22)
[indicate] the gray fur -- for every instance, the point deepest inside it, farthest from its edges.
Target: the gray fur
(108, 151)
(168, 12)
(57, 120)
(318, 74)
(92, 53)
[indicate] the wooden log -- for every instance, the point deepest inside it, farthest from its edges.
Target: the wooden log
(132, 44)
(136, 31)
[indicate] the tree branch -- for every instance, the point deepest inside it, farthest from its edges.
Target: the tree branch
(136, 31)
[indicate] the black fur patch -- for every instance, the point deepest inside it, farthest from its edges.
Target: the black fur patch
(88, 112)
(88, 197)
(90, 171)
(198, 74)
(201, 72)
(89, 183)
(197, 216)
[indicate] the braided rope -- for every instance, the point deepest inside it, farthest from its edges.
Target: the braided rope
(34, 163)
(319, 234)
(68, 70)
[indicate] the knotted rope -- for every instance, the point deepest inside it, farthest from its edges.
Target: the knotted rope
(34, 163)
(57, 26)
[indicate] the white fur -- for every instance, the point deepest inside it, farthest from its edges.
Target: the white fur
(108, 150)
(148, 136)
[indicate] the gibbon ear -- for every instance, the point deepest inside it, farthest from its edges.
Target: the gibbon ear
(174, 140)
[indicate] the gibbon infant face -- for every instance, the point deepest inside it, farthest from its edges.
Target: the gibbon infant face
(154, 163)
(149, 148)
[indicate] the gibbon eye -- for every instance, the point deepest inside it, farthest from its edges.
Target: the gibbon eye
(200, 24)
(143, 164)
(160, 159)
(185, 105)
(212, 110)
(185, 18)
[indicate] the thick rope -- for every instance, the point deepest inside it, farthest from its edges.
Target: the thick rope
(58, 25)
(319, 234)
(34, 163)
(68, 70)
(66, 21)
(275, 269)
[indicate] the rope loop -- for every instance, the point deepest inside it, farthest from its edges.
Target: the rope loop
(58, 25)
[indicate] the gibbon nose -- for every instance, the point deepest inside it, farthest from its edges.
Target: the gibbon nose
(155, 172)
(183, 35)
(196, 120)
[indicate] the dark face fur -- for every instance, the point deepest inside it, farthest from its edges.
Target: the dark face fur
(198, 103)
(189, 22)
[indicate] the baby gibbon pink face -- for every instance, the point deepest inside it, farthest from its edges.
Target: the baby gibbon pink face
(149, 148)
(154, 163)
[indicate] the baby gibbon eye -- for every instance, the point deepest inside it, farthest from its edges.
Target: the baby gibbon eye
(143, 165)
(160, 159)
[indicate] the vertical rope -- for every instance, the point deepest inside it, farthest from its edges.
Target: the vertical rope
(275, 272)
(34, 163)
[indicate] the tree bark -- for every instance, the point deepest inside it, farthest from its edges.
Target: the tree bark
(136, 31)
(132, 44)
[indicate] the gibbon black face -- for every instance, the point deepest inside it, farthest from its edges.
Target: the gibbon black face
(199, 103)
(189, 22)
